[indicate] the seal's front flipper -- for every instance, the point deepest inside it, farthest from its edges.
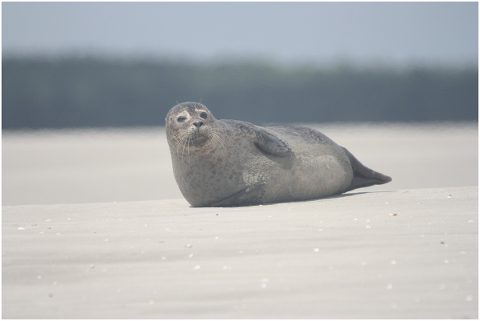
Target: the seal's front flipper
(252, 195)
(270, 143)
(364, 176)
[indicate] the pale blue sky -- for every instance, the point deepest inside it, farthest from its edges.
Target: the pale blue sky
(392, 32)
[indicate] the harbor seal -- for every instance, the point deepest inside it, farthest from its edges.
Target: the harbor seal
(235, 163)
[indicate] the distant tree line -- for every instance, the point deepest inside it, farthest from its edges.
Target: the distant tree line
(93, 92)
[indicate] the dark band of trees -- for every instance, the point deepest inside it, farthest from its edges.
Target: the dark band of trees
(93, 92)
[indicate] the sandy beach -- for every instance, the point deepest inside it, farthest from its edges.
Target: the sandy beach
(94, 226)
(86, 166)
(391, 254)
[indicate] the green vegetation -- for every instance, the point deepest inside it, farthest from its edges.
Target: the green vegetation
(93, 92)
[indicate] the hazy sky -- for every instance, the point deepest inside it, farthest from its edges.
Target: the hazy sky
(397, 32)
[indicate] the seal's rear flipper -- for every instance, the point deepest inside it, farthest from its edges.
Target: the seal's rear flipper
(364, 176)
(252, 195)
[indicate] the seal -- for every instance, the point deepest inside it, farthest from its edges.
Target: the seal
(235, 163)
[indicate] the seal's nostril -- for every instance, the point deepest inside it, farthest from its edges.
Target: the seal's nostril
(198, 124)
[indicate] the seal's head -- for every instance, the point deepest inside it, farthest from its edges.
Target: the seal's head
(190, 126)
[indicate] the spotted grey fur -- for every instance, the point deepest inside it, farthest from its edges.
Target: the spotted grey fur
(235, 163)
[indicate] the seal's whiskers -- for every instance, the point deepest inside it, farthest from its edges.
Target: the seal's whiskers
(216, 138)
(186, 139)
(182, 142)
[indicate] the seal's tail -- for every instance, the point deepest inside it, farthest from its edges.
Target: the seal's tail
(364, 176)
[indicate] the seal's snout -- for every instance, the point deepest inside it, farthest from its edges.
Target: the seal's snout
(198, 124)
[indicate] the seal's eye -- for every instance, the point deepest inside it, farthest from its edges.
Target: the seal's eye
(181, 119)
(203, 115)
